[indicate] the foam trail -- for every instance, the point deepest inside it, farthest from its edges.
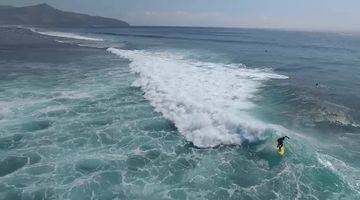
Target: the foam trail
(208, 102)
(347, 173)
(66, 35)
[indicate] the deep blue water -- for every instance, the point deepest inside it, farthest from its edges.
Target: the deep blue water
(179, 113)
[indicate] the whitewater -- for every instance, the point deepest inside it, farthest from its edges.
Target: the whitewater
(64, 35)
(208, 102)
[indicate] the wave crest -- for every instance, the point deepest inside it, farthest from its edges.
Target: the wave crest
(66, 35)
(208, 102)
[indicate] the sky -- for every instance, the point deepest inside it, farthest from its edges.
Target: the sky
(331, 15)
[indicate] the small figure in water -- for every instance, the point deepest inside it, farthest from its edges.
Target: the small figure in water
(317, 84)
(281, 142)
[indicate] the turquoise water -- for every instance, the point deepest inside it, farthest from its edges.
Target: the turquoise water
(180, 113)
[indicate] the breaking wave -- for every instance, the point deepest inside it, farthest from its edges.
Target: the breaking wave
(66, 35)
(208, 102)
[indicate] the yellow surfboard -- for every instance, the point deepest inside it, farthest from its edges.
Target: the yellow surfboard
(281, 150)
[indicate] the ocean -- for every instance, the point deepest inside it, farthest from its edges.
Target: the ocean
(178, 113)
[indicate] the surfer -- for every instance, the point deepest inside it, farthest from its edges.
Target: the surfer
(281, 142)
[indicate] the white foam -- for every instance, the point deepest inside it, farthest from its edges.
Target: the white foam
(66, 35)
(208, 102)
(347, 173)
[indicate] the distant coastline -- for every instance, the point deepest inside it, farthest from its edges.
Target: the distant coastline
(43, 15)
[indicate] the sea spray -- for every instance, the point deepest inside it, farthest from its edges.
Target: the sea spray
(208, 102)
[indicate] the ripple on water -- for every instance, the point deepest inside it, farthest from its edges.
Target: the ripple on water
(88, 165)
(42, 193)
(109, 178)
(41, 169)
(33, 157)
(37, 125)
(85, 190)
(177, 194)
(10, 142)
(157, 124)
(10, 193)
(152, 154)
(12, 163)
(136, 161)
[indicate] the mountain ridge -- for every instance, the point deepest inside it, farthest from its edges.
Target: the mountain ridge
(45, 15)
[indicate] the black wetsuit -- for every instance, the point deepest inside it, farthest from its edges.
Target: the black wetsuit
(281, 141)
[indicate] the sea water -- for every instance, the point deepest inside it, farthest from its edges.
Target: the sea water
(179, 113)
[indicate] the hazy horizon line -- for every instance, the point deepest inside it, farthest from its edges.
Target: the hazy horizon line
(321, 30)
